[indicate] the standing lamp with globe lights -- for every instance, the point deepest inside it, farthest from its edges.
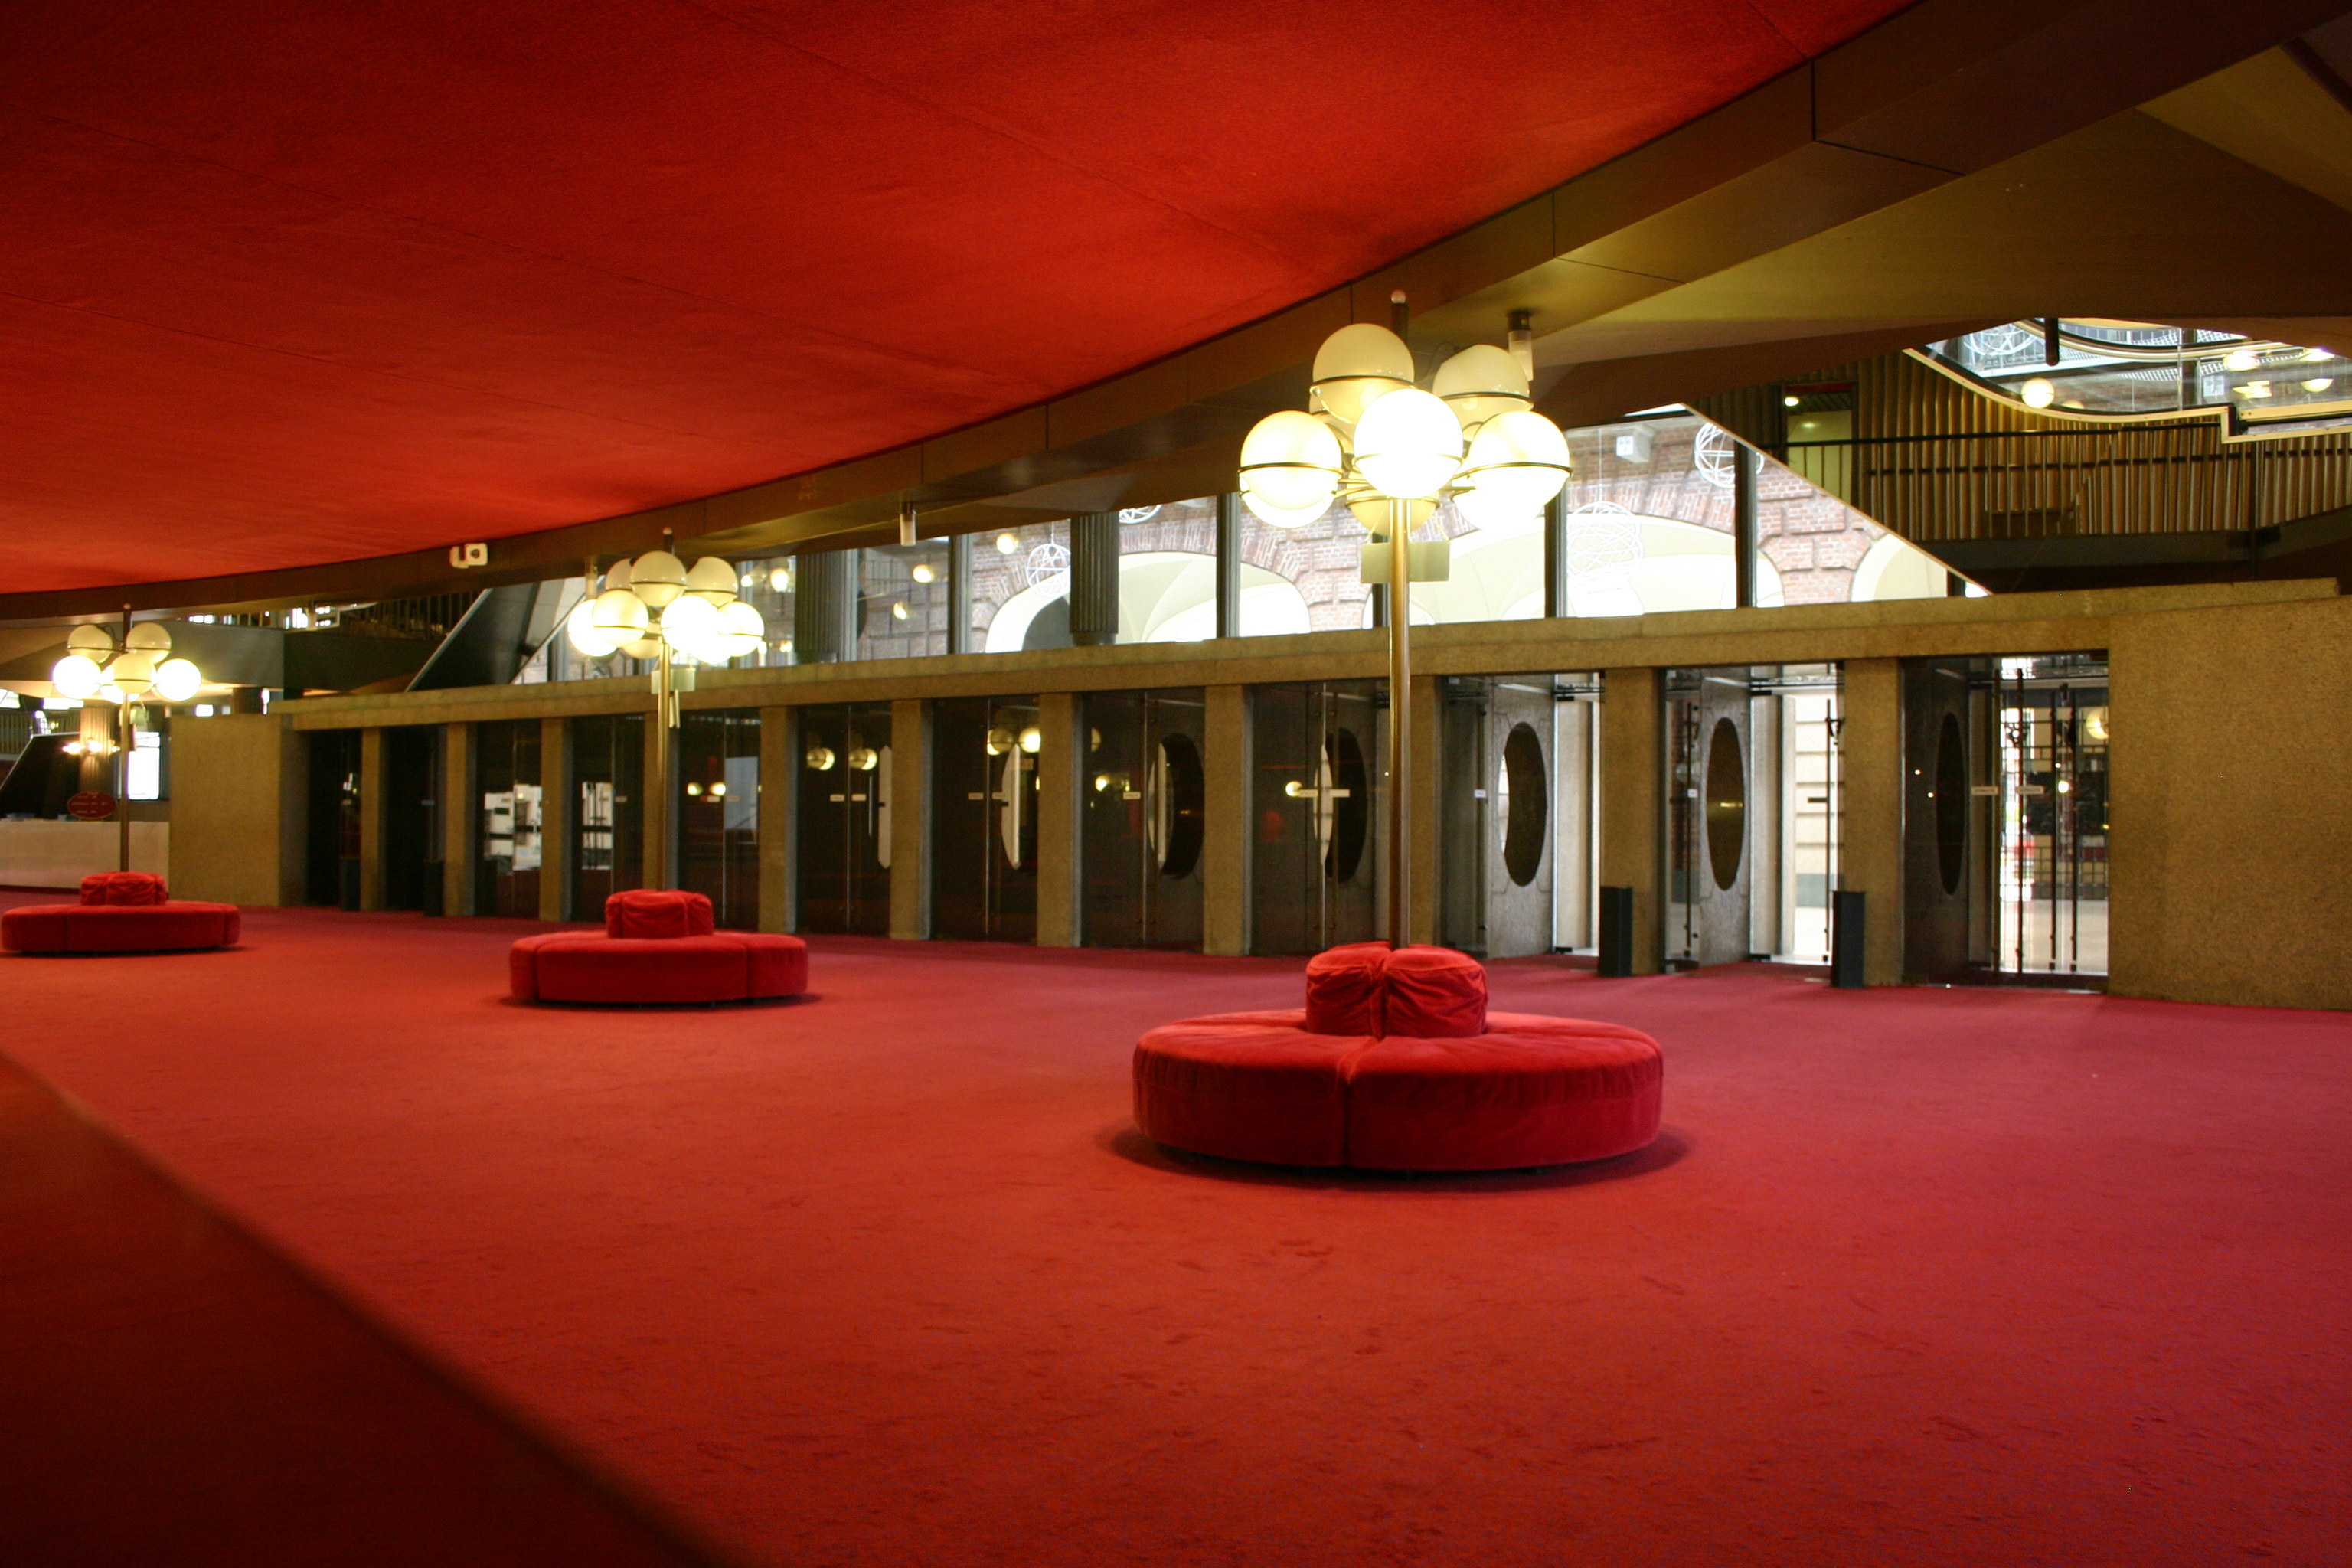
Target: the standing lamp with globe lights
(94, 667)
(1393, 451)
(658, 608)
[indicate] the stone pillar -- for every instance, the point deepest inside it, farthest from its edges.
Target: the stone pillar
(959, 593)
(1060, 760)
(557, 803)
(1427, 824)
(458, 808)
(778, 820)
(1225, 828)
(374, 783)
(1634, 803)
(910, 820)
(1870, 808)
(824, 607)
(1094, 580)
(1229, 564)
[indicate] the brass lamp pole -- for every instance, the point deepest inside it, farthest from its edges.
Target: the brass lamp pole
(1392, 451)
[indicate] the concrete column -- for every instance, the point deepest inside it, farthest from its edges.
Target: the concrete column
(1229, 565)
(458, 811)
(959, 593)
(656, 807)
(374, 783)
(824, 607)
(1225, 821)
(1427, 825)
(1059, 763)
(910, 820)
(556, 806)
(1094, 579)
(1870, 808)
(778, 795)
(1633, 804)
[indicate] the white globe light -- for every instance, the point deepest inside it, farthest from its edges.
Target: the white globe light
(712, 579)
(746, 630)
(1518, 461)
(1374, 509)
(1356, 366)
(616, 576)
(176, 679)
(2037, 394)
(92, 643)
(691, 625)
(1291, 461)
(149, 637)
(1280, 516)
(135, 672)
(1408, 444)
(75, 676)
(657, 577)
(619, 616)
(647, 645)
(1481, 383)
(579, 630)
(1498, 511)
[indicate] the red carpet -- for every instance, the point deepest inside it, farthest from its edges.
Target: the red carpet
(1916, 1276)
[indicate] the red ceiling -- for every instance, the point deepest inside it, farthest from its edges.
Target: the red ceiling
(283, 283)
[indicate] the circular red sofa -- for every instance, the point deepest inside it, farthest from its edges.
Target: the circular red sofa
(1395, 1064)
(120, 911)
(658, 947)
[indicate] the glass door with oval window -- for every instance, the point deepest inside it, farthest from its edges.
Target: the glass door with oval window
(984, 818)
(1144, 799)
(843, 819)
(1496, 771)
(1708, 732)
(1314, 871)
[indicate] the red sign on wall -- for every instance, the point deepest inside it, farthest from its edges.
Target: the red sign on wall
(91, 805)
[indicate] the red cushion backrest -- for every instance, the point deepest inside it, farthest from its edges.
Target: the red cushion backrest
(1343, 989)
(124, 888)
(1435, 993)
(650, 912)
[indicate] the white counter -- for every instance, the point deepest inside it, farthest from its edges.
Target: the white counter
(60, 854)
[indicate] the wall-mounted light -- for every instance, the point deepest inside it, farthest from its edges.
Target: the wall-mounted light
(923, 573)
(1006, 543)
(2038, 393)
(2240, 358)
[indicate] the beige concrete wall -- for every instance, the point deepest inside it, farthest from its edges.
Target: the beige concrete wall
(1870, 812)
(375, 778)
(1060, 762)
(2231, 806)
(458, 808)
(910, 820)
(778, 795)
(1225, 821)
(237, 809)
(1634, 803)
(557, 803)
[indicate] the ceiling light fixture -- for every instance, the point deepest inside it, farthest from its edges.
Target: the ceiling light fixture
(2039, 393)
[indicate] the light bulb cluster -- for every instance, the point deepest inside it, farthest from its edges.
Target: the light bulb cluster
(654, 607)
(1371, 436)
(93, 667)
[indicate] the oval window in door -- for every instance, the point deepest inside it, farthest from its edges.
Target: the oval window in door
(1351, 806)
(1179, 804)
(1527, 807)
(1725, 803)
(1951, 803)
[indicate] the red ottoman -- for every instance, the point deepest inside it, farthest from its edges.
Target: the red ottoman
(656, 947)
(1247, 1086)
(120, 911)
(1442, 1086)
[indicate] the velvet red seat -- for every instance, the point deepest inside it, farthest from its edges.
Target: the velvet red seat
(120, 911)
(1396, 1065)
(658, 947)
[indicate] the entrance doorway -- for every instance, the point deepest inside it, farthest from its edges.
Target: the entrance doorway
(1752, 803)
(1316, 789)
(507, 834)
(1145, 804)
(843, 819)
(412, 817)
(1506, 807)
(984, 818)
(718, 808)
(2005, 819)
(608, 768)
(331, 839)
